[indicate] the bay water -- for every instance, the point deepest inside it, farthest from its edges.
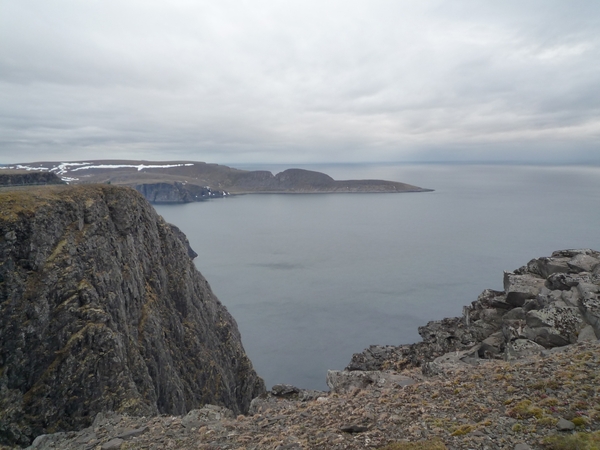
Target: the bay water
(313, 278)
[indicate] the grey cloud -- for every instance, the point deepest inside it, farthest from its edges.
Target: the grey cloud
(235, 81)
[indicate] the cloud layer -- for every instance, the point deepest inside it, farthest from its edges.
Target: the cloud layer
(300, 81)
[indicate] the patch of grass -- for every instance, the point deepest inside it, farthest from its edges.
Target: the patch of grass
(547, 421)
(524, 410)
(579, 421)
(434, 444)
(549, 401)
(462, 430)
(577, 441)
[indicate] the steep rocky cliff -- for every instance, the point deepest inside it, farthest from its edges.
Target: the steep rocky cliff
(102, 309)
(176, 192)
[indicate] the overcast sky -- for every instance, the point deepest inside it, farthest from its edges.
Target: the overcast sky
(289, 81)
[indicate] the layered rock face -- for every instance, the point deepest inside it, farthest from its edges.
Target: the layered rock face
(551, 302)
(24, 177)
(177, 192)
(102, 309)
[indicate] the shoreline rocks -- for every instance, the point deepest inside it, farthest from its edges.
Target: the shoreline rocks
(550, 302)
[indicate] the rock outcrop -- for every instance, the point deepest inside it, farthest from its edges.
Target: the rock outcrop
(551, 302)
(102, 309)
(27, 178)
(177, 192)
(308, 181)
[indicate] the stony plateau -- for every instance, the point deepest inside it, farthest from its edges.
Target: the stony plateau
(102, 309)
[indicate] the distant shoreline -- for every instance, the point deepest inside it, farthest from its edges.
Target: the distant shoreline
(190, 181)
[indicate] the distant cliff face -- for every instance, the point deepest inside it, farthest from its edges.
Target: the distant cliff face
(101, 308)
(177, 192)
(24, 177)
(190, 181)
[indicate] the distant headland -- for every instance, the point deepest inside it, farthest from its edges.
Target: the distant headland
(189, 181)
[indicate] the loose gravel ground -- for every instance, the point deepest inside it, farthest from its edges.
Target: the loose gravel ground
(497, 405)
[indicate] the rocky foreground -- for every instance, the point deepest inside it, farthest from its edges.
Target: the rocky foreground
(496, 405)
(520, 369)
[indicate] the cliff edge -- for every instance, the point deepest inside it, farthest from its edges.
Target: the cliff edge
(102, 309)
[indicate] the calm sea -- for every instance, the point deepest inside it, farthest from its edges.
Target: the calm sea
(312, 279)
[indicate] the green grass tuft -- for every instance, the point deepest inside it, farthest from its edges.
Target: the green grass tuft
(577, 441)
(434, 444)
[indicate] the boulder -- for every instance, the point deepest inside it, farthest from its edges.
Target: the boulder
(284, 390)
(561, 282)
(347, 381)
(492, 346)
(548, 266)
(379, 357)
(521, 287)
(583, 263)
(565, 425)
(587, 333)
(450, 362)
(522, 348)
(208, 413)
(590, 306)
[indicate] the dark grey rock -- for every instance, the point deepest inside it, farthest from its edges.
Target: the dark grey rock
(515, 314)
(284, 390)
(354, 429)
(492, 346)
(452, 361)
(549, 266)
(113, 444)
(521, 348)
(522, 446)
(346, 381)
(561, 281)
(590, 306)
(208, 413)
(183, 238)
(128, 434)
(587, 334)
(27, 178)
(110, 316)
(47, 441)
(565, 425)
(521, 287)
(583, 263)
(177, 192)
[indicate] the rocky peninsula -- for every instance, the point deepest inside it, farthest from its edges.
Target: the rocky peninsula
(190, 181)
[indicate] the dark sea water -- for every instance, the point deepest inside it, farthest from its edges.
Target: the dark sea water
(312, 279)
